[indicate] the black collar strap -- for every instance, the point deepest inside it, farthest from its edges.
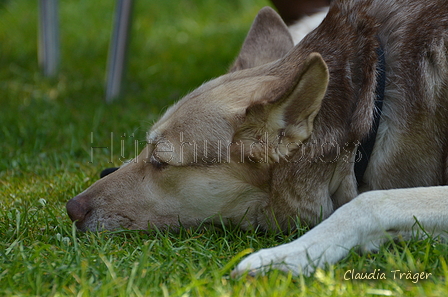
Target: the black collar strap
(366, 147)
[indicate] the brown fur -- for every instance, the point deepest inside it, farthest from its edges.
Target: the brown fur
(293, 10)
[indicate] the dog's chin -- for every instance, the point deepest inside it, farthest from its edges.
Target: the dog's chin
(119, 223)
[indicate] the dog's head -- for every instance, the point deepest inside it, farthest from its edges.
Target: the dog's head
(210, 155)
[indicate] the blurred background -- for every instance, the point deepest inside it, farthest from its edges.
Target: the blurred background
(47, 124)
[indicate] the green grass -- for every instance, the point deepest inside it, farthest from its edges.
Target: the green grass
(45, 132)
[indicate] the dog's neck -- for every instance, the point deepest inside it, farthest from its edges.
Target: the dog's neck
(365, 148)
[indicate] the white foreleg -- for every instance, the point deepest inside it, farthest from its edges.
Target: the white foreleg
(368, 218)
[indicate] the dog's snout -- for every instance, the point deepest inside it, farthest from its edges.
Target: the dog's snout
(78, 208)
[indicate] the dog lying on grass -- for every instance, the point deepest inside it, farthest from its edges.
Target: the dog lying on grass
(360, 105)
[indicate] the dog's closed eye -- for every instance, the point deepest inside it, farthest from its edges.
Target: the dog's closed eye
(158, 164)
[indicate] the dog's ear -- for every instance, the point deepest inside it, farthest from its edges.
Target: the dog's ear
(268, 40)
(286, 108)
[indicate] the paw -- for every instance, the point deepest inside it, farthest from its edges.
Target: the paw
(325, 244)
(284, 258)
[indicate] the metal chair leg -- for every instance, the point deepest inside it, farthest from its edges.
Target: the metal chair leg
(48, 55)
(118, 49)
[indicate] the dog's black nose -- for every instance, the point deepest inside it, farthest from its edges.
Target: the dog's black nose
(108, 171)
(78, 208)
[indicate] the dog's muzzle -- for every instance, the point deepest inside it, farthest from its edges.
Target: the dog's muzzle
(78, 208)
